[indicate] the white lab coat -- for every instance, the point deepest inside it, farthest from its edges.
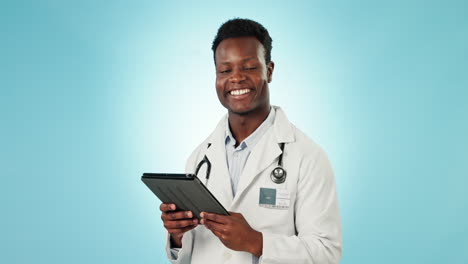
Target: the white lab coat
(308, 232)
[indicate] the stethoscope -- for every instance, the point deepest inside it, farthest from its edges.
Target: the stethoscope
(277, 175)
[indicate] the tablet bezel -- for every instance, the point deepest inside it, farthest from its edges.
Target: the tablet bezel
(183, 177)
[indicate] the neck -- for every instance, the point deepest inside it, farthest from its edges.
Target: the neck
(243, 126)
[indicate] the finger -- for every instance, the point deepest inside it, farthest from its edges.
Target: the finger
(220, 235)
(176, 215)
(167, 207)
(180, 224)
(234, 214)
(176, 231)
(215, 227)
(214, 217)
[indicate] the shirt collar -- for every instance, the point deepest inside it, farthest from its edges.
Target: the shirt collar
(253, 138)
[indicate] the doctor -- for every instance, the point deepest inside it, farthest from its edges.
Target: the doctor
(291, 218)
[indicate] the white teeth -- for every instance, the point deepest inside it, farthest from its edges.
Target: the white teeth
(240, 92)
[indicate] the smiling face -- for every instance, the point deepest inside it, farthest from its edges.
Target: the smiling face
(242, 76)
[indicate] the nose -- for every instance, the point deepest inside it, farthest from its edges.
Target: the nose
(237, 76)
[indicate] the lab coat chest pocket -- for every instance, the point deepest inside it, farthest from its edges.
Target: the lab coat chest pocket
(275, 203)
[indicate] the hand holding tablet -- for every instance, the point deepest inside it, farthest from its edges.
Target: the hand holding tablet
(177, 223)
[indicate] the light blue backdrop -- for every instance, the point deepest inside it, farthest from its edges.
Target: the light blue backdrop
(93, 93)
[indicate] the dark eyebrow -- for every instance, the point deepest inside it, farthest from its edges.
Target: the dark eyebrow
(243, 60)
(249, 58)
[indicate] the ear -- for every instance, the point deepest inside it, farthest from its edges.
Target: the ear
(270, 68)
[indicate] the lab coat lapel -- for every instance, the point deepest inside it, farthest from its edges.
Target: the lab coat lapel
(264, 153)
(262, 156)
(219, 182)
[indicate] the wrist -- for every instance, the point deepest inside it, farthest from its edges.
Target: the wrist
(176, 241)
(256, 247)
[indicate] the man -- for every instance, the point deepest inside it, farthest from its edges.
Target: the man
(291, 218)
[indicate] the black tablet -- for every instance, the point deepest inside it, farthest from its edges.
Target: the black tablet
(186, 191)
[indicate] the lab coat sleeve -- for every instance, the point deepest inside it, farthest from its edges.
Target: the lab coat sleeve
(317, 221)
(184, 254)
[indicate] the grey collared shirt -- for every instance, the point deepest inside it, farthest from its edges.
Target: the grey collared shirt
(237, 157)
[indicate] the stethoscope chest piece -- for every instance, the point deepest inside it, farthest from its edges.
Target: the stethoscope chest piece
(278, 175)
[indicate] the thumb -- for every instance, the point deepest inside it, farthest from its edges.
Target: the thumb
(235, 214)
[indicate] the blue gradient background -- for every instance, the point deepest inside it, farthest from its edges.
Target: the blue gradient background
(93, 93)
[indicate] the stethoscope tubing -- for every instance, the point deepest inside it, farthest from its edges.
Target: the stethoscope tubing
(278, 174)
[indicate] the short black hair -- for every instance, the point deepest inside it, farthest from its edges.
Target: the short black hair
(239, 27)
